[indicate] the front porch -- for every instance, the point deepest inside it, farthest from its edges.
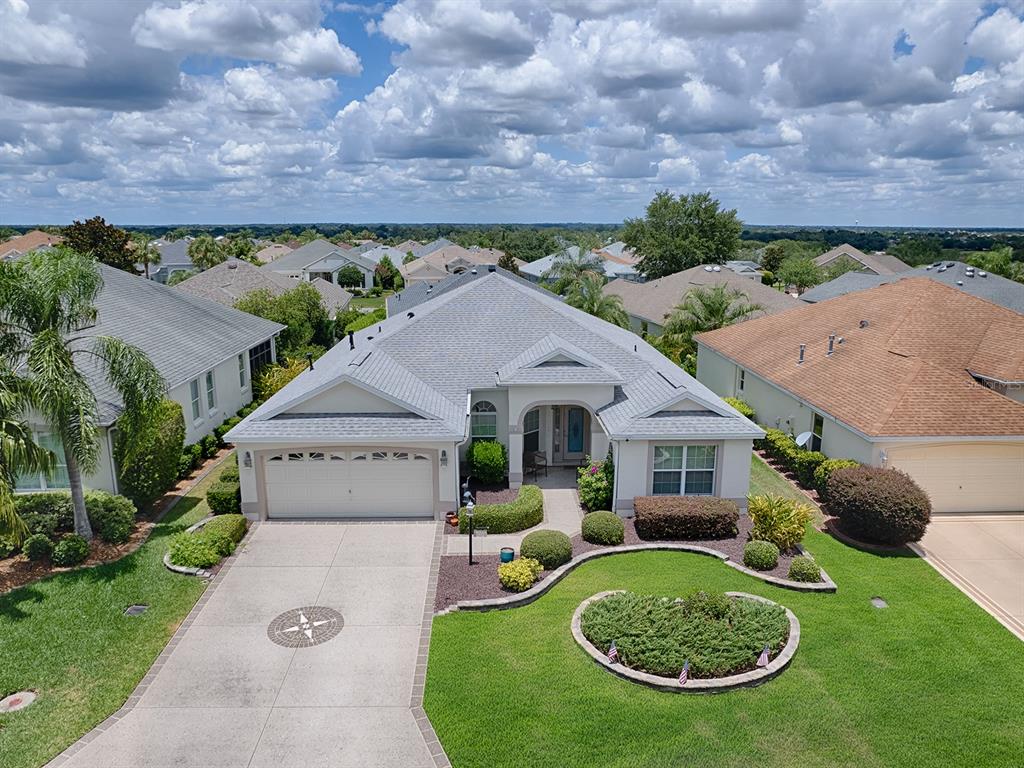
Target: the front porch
(551, 441)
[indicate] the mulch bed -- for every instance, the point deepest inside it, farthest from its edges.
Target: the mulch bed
(458, 580)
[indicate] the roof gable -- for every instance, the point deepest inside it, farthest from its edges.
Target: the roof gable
(555, 360)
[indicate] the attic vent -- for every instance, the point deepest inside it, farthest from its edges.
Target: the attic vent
(410, 315)
(983, 274)
(472, 271)
(232, 265)
(863, 323)
(803, 349)
(429, 289)
(707, 269)
(561, 364)
(490, 267)
(716, 269)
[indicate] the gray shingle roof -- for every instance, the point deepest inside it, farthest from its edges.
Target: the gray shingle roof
(457, 341)
(313, 252)
(416, 293)
(993, 288)
(174, 252)
(880, 263)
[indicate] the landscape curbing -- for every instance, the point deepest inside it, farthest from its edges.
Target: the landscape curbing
(202, 573)
(704, 685)
(826, 585)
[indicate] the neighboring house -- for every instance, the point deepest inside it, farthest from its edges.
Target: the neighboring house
(323, 259)
(749, 269)
(614, 267)
(30, 241)
(378, 427)
(877, 263)
(206, 353)
(451, 259)
(914, 375)
(433, 245)
(272, 252)
(229, 281)
(984, 285)
(379, 252)
(173, 258)
(407, 246)
(649, 304)
(417, 293)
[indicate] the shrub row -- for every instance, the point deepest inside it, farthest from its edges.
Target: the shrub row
(192, 455)
(685, 517)
(742, 406)
(112, 517)
(525, 512)
(207, 546)
(224, 497)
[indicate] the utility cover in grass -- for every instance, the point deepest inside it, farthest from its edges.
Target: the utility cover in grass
(719, 635)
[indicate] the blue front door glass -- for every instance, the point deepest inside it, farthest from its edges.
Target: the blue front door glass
(575, 442)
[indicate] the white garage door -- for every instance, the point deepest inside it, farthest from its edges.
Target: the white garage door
(966, 477)
(386, 483)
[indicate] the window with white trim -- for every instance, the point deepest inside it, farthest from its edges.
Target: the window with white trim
(531, 430)
(817, 428)
(483, 421)
(741, 382)
(41, 481)
(243, 380)
(193, 391)
(684, 470)
(211, 392)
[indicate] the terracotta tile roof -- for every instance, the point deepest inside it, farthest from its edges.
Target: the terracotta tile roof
(906, 373)
(879, 263)
(28, 242)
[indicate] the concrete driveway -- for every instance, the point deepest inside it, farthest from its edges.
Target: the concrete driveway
(984, 556)
(224, 695)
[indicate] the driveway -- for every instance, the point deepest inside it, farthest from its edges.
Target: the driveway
(225, 695)
(984, 556)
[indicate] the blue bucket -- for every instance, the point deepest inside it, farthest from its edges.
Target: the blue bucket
(507, 554)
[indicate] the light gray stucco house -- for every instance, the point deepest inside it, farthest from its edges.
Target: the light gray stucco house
(378, 427)
(323, 259)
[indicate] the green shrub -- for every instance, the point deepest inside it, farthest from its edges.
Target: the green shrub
(38, 547)
(219, 541)
(742, 406)
(222, 429)
(804, 569)
(191, 457)
(767, 277)
(232, 526)
(149, 457)
(825, 470)
(804, 465)
(880, 505)
(192, 551)
(525, 512)
(714, 605)
(112, 517)
(488, 461)
(365, 321)
(230, 473)
(45, 513)
(781, 447)
(8, 546)
(779, 520)
(693, 518)
(550, 548)
(519, 575)
(70, 551)
(603, 528)
(208, 445)
(760, 555)
(224, 498)
(595, 482)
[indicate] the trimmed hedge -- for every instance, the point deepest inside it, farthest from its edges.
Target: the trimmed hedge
(603, 528)
(825, 470)
(232, 526)
(879, 505)
(760, 555)
(777, 519)
(804, 569)
(208, 445)
(112, 517)
(804, 465)
(193, 551)
(488, 461)
(694, 518)
(230, 473)
(525, 512)
(550, 548)
(742, 406)
(45, 513)
(148, 459)
(71, 550)
(224, 498)
(519, 575)
(223, 428)
(191, 457)
(37, 547)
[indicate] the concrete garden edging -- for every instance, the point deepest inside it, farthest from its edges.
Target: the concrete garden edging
(541, 587)
(702, 685)
(202, 573)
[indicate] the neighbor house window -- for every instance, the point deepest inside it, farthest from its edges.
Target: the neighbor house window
(40, 481)
(742, 380)
(211, 392)
(242, 381)
(193, 390)
(817, 427)
(687, 470)
(483, 421)
(531, 430)
(260, 356)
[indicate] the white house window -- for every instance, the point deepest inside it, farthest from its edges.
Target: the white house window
(742, 380)
(40, 481)
(242, 381)
(483, 421)
(684, 470)
(211, 392)
(193, 391)
(817, 427)
(531, 430)
(260, 356)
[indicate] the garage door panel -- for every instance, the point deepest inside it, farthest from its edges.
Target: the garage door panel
(967, 477)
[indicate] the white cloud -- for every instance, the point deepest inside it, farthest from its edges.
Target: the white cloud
(28, 41)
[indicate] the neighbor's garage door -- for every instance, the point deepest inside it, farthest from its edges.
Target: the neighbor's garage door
(966, 477)
(320, 484)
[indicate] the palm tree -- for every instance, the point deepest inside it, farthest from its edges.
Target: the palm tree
(146, 253)
(47, 307)
(571, 264)
(706, 309)
(586, 294)
(205, 252)
(18, 452)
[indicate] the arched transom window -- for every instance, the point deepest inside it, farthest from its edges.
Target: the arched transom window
(483, 421)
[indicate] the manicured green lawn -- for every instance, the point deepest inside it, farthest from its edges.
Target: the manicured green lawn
(364, 302)
(67, 638)
(764, 479)
(930, 681)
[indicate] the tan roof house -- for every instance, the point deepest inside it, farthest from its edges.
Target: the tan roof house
(878, 263)
(913, 374)
(30, 241)
(273, 251)
(448, 260)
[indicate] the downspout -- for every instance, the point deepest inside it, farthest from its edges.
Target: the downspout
(615, 478)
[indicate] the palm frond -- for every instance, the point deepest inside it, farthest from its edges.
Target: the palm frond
(129, 371)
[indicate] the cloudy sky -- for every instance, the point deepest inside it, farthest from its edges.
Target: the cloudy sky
(232, 111)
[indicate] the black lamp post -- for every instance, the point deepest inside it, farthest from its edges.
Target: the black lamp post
(469, 515)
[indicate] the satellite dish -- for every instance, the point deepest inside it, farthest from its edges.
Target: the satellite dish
(803, 439)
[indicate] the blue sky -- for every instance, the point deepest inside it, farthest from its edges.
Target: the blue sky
(890, 113)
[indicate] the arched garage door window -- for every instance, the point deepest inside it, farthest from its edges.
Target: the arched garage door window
(483, 421)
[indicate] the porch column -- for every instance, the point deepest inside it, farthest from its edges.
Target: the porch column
(515, 456)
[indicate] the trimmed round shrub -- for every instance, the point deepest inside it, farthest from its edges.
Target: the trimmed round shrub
(603, 528)
(879, 505)
(550, 548)
(742, 406)
(684, 518)
(760, 555)
(594, 484)
(192, 551)
(224, 498)
(519, 575)
(112, 517)
(488, 461)
(71, 550)
(8, 546)
(37, 547)
(148, 457)
(804, 569)
(777, 519)
(219, 541)
(825, 470)
(525, 512)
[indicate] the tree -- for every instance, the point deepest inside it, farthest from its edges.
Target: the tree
(681, 232)
(239, 246)
(144, 251)
(181, 275)
(104, 242)
(308, 236)
(587, 294)
(385, 273)
(917, 251)
(148, 458)
(705, 308)
(177, 233)
(800, 273)
(507, 262)
(774, 255)
(19, 454)
(409, 256)
(570, 266)
(47, 305)
(301, 309)
(205, 252)
(998, 261)
(840, 267)
(350, 275)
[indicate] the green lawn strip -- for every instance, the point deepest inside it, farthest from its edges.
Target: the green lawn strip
(764, 479)
(930, 681)
(67, 638)
(364, 302)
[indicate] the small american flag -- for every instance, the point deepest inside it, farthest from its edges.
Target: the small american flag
(762, 660)
(685, 674)
(613, 653)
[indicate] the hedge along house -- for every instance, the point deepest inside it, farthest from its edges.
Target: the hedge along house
(206, 353)
(914, 374)
(378, 427)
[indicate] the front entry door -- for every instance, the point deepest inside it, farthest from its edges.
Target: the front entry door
(572, 434)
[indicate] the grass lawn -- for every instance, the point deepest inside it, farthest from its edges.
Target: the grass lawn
(364, 302)
(930, 681)
(67, 638)
(764, 479)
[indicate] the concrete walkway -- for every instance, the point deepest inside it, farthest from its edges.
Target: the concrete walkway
(225, 696)
(983, 555)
